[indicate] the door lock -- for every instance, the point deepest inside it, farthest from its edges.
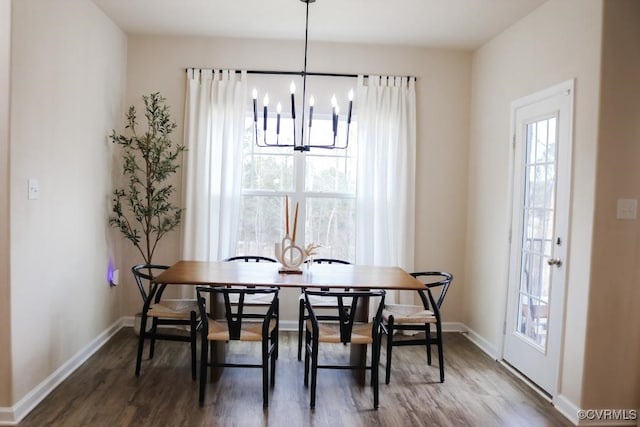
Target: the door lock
(554, 261)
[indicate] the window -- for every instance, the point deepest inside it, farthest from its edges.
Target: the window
(322, 181)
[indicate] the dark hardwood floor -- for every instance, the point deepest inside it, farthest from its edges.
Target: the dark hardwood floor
(478, 391)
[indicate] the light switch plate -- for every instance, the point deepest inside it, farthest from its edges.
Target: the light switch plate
(627, 209)
(33, 189)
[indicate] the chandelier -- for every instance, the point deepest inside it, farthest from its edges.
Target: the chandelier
(271, 139)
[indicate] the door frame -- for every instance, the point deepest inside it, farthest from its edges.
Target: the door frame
(560, 88)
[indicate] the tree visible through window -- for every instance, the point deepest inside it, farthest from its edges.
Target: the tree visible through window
(322, 181)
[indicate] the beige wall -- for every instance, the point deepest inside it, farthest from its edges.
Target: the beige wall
(612, 357)
(5, 291)
(69, 88)
(443, 91)
(558, 41)
(68, 80)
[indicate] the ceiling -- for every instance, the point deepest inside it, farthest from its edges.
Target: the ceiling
(460, 24)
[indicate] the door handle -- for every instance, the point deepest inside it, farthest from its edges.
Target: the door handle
(554, 261)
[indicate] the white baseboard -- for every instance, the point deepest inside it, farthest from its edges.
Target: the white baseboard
(11, 416)
(126, 322)
(482, 343)
(289, 325)
(454, 327)
(567, 408)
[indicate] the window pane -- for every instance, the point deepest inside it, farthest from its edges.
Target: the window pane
(260, 225)
(334, 174)
(331, 223)
(268, 172)
(267, 168)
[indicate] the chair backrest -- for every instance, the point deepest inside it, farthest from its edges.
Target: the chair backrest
(234, 306)
(434, 281)
(346, 310)
(330, 261)
(250, 258)
(148, 272)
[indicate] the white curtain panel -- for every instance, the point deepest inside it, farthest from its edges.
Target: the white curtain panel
(385, 195)
(214, 127)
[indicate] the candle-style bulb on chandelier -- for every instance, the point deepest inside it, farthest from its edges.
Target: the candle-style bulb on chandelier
(269, 139)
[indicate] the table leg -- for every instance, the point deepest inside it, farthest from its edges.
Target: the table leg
(217, 349)
(217, 356)
(358, 356)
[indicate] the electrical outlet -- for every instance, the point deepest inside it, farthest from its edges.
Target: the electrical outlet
(115, 278)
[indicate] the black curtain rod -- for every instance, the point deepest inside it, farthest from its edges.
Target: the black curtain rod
(300, 73)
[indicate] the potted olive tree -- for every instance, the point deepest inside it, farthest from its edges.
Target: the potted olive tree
(143, 210)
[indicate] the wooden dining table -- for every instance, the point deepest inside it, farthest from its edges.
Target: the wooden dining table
(347, 276)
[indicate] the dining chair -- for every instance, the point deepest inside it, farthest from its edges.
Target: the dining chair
(250, 258)
(163, 312)
(257, 299)
(346, 330)
(319, 302)
(418, 318)
(235, 325)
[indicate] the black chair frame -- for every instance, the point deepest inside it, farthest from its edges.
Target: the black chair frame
(258, 258)
(346, 318)
(234, 315)
(429, 303)
(155, 296)
(250, 258)
(302, 316)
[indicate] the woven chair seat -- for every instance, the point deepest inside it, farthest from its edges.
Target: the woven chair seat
(330, 332)
(173, 308)
(403, 313)
(251, 331)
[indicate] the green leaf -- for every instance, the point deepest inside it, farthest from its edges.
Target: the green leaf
(143, 210)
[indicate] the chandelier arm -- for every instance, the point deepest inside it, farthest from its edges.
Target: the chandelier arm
(264, 143)
(332, 146)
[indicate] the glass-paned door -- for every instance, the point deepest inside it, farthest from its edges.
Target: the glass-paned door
(539, 230)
